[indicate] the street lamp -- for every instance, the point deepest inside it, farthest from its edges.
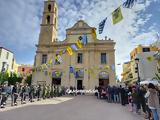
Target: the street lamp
(137, 70)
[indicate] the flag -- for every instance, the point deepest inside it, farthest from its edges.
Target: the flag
(107, 67)
(94, 33)
(49, 74)
(79, 44)
(101, 25)
(46, 72)
(69, 50)
(45, 66)
(157, 36)
(150, 58)
(49, 62)
(84, 39)
(71, 69)
(117, 16)
(80, 38)
(59, 59)
(63, 51)
(129, 3)
(53, 61)
(74, 47)
(113, 67)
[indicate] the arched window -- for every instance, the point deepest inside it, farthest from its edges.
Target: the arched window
(48, 19)
(49, 8)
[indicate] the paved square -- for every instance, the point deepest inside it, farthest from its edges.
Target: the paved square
(78, 108)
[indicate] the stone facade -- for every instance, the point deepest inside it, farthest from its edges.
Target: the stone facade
(93, 71)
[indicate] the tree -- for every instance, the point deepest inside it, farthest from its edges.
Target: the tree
(28, 80)
(13, 79)
(3, 77)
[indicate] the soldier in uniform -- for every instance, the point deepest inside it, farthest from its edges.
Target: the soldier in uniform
(14, 95)
(38, 92)
(31, 92)
(3, 95)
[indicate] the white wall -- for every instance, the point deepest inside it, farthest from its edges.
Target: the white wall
(3, 58)
(147, 69)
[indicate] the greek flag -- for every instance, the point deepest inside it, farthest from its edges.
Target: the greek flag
(101, 25)
(84, 39)
(129, 3)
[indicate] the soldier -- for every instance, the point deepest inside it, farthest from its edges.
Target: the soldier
(23, 94)
(3, 95)
(14, 95)
(38, 92)
(31, 92)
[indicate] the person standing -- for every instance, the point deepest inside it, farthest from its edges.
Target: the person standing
(123, 96)
(153, 100)
(31, 93)
(39, 93)
(3, 95)
(14, 95)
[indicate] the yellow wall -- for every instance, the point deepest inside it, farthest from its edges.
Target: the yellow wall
(139, 49)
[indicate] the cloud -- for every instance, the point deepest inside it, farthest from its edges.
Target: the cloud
(20, 24)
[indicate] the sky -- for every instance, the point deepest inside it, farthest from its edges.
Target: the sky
(20, 24)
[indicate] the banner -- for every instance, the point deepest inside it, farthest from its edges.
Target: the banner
(94, 34)
(79, 44)
(129, 3)
(117, 16)
(101, 25)
(69, 50)
(84, 39)
(71, 69)
(74, 47)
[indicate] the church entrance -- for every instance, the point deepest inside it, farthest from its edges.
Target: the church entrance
(103, 82)
(103, 78)
(56, 81)
(79, 84)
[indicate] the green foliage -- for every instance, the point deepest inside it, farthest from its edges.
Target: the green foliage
(3, 77)
(29, 79)
(11, 79)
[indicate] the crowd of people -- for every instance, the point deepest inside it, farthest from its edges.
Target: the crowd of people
(138, 98)
(27, 93)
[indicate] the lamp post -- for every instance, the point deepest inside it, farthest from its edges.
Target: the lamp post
(137, 70)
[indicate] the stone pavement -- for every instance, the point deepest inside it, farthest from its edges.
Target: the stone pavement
(78, 108)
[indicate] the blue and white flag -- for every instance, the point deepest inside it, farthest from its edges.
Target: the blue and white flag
(71, 69)
(129, 3)
(74, 47)
(113, 67)
(84, 39)
(101, 25)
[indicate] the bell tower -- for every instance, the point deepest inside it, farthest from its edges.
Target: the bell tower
(48, 31)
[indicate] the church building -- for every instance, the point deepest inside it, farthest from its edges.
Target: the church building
(84, 65)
